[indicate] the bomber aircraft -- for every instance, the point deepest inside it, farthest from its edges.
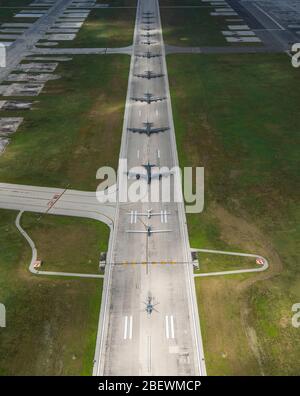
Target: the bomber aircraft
(148, 130)
(149, 75)
(148, 98)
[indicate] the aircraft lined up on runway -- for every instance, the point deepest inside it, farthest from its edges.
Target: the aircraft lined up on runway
(149, 74)
(148, 42)
(149, 231)
(148, 55)
(149, 176)
(148, 98)
(149, 213)
(148, 130)
(148, 28)
(148, 35)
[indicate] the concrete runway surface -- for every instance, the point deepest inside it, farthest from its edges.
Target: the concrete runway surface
(130, 341)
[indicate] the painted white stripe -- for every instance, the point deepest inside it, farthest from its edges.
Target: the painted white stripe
(135, 216)
(167, 327)
(162, 216)
(125, 327)
(172, 327)
(130, 327)
(166, 217)
(269, 16)
(131, 217)
(158, 153)
(138, 153)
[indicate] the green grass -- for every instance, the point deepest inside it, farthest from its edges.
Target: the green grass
(51, 322)
(56, 236)
(237, 115)
(105, 28)
(7, 15)
(192, 27)
(119, 3)
(14, 3)
(75, 127)
(211, 262)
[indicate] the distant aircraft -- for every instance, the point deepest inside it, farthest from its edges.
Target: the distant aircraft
(149, 75)
(148, 55)
(148, 35)
(149, 175)
(148, 42)
(149, 213)
(148, 16)
(148, 13)
(148, 98)
(148, 28)
(149, 304)
(148, 130)
(149, 231)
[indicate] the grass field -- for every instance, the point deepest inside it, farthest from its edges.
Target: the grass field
(78, 119)
(192, 27)
(14, 3)
(48, 232)
(238, 117)
(74, 128)
(51, 322)
(211, 262)
(105, 28)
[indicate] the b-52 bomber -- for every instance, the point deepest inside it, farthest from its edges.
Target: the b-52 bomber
(149, 175)
(148, 55)
(147, 13)
(148, 22)
(148, 16)
(148, 130)
(148, 28)
(148, 42)
(148, 98)
(148, 35)
(149, 75)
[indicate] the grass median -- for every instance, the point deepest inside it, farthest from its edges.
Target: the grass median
(51, 322)
(105, 28)
(237, 116)
(74, 128)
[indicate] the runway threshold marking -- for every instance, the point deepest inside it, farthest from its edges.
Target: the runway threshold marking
(127, 328)
(170, 333)
(133, 217)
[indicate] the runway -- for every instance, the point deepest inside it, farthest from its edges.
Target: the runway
(130, 341)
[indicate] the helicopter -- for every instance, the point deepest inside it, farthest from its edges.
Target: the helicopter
(150, 306)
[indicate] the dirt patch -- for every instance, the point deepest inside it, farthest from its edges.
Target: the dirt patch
(238, 231)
